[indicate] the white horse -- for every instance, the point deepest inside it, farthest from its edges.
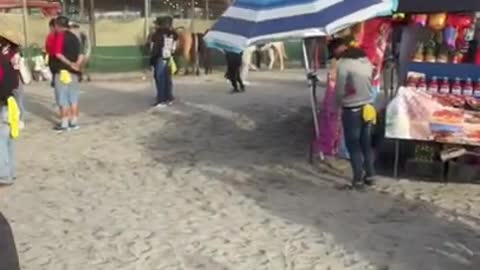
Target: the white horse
(275, 50)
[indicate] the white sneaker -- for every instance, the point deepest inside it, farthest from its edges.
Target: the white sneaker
(161, 105)
(247, 83)
(21, 125)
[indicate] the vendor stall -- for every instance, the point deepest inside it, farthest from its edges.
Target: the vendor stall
(438, 100)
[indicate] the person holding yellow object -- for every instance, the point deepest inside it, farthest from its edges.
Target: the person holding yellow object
(355, 96)
(9, 120)
(163, 44)
(66, 62)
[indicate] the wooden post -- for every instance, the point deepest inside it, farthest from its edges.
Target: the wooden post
(192, 20)
(146, 26)
(82, 9)
(207, 10)
(93, 31)
(25, 24)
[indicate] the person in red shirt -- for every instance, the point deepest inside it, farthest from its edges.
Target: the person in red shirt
(65, 64)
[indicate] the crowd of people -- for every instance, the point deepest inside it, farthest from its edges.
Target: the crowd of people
(67, 50)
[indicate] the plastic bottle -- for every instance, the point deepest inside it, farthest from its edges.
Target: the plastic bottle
(412, 82)
(457, 87)
(444, 87)
(468, 88)
(476, 90)
(433, 86)
(422, 85)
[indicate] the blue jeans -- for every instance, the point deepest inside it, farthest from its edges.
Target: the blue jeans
(66, 95)
(7, 158)
(18, 94)
(163, 81)
(358, 135)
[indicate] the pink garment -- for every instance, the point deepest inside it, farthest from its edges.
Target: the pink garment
(329, 118)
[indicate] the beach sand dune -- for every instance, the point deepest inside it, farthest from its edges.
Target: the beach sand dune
(216, 182)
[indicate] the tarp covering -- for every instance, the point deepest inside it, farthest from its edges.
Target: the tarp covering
(49, 8)
(432, 6)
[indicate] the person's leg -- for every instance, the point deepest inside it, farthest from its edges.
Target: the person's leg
(11, 156)
(367, 151)
(160, 80)
(73, 92)
(18, 94)
(6, 166)
(168, 84)
(352, 127)
(239, 78)
(230, 74)
(61, 90)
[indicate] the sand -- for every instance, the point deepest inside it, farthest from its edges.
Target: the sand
(216, 182)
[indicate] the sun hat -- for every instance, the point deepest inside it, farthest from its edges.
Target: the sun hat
(11, 36)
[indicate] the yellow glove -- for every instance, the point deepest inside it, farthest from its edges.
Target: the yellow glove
(369, 114)
(13, 117)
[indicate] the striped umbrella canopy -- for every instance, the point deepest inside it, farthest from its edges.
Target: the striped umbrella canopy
(248, 22)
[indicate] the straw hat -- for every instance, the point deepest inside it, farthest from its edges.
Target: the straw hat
(11, 36)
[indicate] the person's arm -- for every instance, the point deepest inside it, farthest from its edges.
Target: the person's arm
(341, 82)
(58, 52)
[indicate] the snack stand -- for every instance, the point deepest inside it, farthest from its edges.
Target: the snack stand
(438, 100)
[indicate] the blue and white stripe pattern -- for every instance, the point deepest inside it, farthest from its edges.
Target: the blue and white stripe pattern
(248, 22)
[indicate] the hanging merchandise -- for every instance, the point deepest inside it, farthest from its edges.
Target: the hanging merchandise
(450, 36)
(437, 21)
(420, 19)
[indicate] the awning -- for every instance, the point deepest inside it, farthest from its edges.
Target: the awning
(433, 6)
(49, 8)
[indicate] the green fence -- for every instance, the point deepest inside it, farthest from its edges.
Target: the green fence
(133, 58)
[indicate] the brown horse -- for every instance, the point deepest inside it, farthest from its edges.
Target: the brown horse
(193, 50)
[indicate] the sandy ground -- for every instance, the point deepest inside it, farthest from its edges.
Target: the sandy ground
(216, 182)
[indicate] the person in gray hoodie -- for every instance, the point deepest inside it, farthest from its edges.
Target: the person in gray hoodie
(354, 91)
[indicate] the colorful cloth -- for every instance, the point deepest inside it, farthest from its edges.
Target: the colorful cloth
(327, 141)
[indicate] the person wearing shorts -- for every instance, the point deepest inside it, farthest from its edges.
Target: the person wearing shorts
(66, 63)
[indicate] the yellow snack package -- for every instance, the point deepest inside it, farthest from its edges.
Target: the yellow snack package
(65, 76)
(172, 65)
(13, 117)
(369, 114)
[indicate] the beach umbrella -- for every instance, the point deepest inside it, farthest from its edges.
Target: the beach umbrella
(248, 22)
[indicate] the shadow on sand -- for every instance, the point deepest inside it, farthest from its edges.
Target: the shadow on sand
(270, 146)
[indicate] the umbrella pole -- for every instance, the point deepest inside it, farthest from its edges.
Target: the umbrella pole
(313, 90)
(313, 99)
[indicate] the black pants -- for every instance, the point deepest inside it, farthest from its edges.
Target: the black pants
(234, 64)
(358, 138)
(8, 251)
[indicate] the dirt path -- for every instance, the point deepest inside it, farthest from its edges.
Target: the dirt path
(217, 182)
